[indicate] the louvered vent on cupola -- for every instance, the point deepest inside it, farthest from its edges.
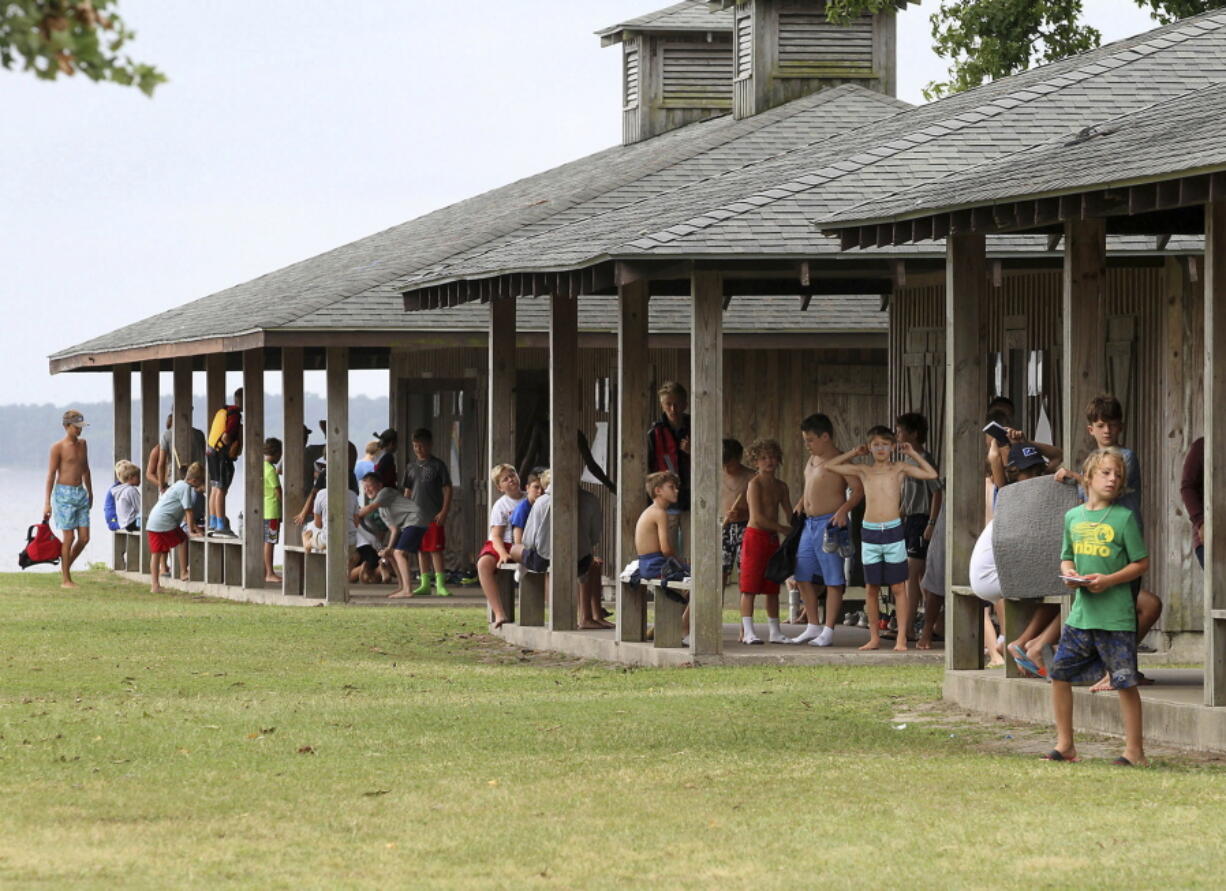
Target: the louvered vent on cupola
(677, 68)
(786, 49)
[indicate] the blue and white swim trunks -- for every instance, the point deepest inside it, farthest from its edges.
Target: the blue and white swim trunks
(812, 563)
(883, 549)
(70, 507)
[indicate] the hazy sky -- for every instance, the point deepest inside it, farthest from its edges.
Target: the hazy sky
(290, 127)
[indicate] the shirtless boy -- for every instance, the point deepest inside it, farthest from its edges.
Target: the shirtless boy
(883, 546)
(826, 504)
(653, 540)
(733, 484)
(768, 500)
(70, 493)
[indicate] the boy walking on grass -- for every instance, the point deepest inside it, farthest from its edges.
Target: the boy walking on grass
(768, 498)
(1104, 553)
(70, 493)
(882, 546)
(1105, 424)
(272, 506)
(428, 482)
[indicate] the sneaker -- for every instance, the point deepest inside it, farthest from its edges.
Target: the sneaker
(830, 540)
(862, 621)
(846, 547)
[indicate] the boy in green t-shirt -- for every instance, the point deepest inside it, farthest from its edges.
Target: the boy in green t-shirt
(1103, 552)
(272, 506)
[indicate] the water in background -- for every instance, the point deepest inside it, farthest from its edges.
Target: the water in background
(21, 505)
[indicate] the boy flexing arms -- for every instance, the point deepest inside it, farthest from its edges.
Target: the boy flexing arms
(882, 545)
(70, 493)
(826, 505)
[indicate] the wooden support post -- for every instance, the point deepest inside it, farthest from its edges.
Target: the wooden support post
(500, 394)
(337, 451)
(1083, 312)
(1215, 452)
(966, 292)
(633, 402)
(293, 479)
(121, 430)
(564, 461)
(706, 450)
(182, 435)
(397, 371)
(150, 430)
(253, 469)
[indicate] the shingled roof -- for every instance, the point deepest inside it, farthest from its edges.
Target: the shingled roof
(717, 189)
(1173, 137)
(356, 287)
(689, 15)
(764, 208)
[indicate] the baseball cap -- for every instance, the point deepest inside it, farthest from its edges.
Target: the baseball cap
(1023, 456)
(321, 461)
(75, 418)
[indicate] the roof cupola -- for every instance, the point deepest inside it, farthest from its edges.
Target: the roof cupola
(786, 49)
(677, 68)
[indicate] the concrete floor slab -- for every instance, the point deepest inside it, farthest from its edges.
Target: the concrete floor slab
(1173, 707)
(601, 645)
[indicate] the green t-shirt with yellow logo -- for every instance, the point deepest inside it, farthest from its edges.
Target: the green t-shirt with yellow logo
(1103, 541)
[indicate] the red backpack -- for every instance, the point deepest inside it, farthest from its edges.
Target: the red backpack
(41, 547)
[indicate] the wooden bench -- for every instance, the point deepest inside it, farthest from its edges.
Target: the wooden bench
(1018, 614)
(195, 560)
(531, 594)
(223, 561)
(125, 555)
(304, 574)
(669, 630)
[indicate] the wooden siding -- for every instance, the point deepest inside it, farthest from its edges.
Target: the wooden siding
(696, 74)
(1150, 333)
(807, 41)
(744, 43)
(630, 73)
(767, 393)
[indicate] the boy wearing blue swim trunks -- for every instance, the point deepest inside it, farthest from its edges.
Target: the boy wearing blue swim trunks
(883, 546)
(827, 503)
(70, 493)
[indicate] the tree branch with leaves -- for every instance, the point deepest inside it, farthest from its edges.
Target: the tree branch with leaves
(986, 40)
(63, 37)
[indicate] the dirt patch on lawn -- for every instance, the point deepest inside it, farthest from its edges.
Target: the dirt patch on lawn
(1002, 735)
(491, 650)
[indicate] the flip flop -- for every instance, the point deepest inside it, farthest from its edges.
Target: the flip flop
(1025, 663)
(1054, 755)
(1123, 762)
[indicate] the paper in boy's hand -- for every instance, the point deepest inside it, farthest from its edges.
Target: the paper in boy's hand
(1075, 579)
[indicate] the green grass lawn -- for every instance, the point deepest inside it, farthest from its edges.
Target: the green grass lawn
(152, 741)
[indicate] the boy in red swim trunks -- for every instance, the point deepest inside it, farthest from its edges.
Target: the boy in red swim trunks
(768, 499)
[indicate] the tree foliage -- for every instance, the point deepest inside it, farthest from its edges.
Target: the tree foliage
(985, 40)
(54, 37)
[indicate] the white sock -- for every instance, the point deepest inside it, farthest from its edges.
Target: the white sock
(825, 639)
(747, 625)
(810, 633)
(774, 626)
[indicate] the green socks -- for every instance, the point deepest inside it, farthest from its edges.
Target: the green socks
(440, 587)
(424, 587)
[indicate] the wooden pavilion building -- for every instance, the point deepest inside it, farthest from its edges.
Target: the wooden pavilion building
(1161, 172)
(707, 217)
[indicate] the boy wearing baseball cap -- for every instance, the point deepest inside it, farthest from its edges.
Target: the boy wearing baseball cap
(69, 493)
